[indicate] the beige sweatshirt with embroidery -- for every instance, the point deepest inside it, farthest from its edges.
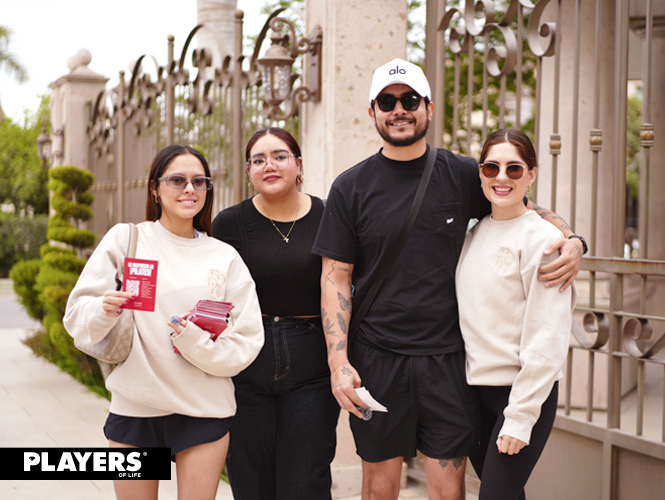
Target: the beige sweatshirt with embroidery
(516, 331)
(154, 380)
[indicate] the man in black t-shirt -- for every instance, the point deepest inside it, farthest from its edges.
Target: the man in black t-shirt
(408, 350)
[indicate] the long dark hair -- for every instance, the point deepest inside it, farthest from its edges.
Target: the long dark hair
(518, 139)
(153, 210)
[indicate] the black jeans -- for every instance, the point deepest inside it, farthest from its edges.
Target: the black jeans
(283, 436)
(502, 476)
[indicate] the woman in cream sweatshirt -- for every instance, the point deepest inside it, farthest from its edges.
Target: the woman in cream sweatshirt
(515, 329)
(160, 397)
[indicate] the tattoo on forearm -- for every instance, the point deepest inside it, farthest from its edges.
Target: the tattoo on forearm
(561, 224)
(329, 327)
(557, 220)
(341, 321)
(344, 303)
(341, 345)
(457, 462)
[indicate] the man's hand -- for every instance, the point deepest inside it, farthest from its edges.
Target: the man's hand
(566, 267)
(509, 445)
(344, 380)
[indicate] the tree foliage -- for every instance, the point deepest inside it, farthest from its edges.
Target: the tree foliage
(8, 62)
(23, 180)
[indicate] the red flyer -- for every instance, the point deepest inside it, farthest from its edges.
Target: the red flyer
(140, 279)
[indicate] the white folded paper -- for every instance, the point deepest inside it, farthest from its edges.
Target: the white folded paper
(367, 398)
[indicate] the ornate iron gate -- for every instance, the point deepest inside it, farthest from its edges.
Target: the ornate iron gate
(214, 109)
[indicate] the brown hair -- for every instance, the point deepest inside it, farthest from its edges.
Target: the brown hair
(518, 139)
(153, 210)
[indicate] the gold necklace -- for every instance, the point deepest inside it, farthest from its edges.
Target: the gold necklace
(285, 238)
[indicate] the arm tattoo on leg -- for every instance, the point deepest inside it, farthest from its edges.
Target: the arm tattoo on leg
(457, 462)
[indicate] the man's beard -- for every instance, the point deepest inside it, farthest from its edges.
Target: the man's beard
(404, 141)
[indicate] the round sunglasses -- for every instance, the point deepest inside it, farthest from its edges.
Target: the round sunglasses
(491, 170)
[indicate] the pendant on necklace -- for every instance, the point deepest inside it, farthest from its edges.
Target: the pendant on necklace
(286, 239)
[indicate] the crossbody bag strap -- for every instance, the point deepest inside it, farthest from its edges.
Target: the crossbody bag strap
(399, 244)
(131, 253)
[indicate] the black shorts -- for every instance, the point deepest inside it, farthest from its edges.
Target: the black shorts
(175, 431)
(431, 408)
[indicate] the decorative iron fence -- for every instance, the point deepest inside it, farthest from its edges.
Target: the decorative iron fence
(493, 59)
(214, 109)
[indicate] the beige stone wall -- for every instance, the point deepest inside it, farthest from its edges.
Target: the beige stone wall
(358, 37)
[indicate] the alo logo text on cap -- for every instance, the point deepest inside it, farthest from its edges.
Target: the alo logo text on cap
(397, 71)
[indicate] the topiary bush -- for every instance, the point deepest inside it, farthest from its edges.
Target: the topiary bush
(44, 285)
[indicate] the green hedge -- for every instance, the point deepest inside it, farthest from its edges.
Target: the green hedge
(20, 239)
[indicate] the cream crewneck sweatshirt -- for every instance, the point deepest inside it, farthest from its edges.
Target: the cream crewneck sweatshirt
(154, 380)
(516, 331)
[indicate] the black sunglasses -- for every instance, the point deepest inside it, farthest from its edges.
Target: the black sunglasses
(491, 170)
(410, 101)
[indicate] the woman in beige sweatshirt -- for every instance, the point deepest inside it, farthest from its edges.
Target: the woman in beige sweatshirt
(515, 330)
(161, 397)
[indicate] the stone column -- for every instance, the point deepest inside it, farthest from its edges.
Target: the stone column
(71, 102)
(358, 37)
(219, 16)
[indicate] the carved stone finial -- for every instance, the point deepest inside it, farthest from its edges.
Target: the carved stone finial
(81, 59)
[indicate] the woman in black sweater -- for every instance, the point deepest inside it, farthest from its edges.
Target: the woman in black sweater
(283, 435)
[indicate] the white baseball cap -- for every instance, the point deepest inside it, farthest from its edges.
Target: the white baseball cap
(399, 71)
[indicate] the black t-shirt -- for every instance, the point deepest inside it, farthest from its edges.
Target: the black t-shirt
(287, 275)
(415, 311)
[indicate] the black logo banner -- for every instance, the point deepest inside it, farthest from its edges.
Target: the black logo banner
(85, 463)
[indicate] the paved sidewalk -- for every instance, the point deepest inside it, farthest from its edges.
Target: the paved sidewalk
(41, 406)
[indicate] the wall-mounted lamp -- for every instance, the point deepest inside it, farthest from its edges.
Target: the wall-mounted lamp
(276, 64)
(44, 145)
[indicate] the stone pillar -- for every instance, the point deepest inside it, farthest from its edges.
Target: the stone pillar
(71, 102)
(219, 16)
(358, 37)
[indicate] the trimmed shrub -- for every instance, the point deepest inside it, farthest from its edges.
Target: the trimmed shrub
(45, 286)
(24, 276)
